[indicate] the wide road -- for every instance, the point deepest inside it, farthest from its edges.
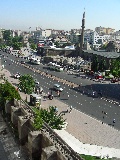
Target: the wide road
(82, 102)
(109, 90)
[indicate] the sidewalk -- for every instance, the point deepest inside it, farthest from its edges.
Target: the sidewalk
(83, 133)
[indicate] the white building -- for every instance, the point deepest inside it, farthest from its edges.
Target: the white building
(37, 34)
(116, 36)
(46, 33)
(99, 39)
(16, 33)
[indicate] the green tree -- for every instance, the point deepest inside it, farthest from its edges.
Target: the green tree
(95, 64)
(17, 42)
(7, 37)
(115, 67)
(66, 44)
(17, 45)
(57, 44)
(30, 40)
(8, 92)
(6, 34)
(33, 46)
(49, 116)
(26, 83)
(103, 47)
(110, 47)
(102, 65)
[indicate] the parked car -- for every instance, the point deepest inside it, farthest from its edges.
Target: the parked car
(57, 87)
(114, 80)
(36, 82)
(17, 76)
(98, 76)
(22, 62)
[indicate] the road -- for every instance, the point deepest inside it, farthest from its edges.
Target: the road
(89, 105)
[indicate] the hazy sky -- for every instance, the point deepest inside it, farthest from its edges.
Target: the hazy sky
(59, 14)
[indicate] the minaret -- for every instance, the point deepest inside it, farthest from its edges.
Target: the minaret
(82, 33)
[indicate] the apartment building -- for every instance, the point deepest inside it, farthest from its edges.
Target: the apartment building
(36, 35)
(76, 31)
(16, 32)
(73, 38)
(116, 36)
(99, 39)
(103, 30)
(46, 33)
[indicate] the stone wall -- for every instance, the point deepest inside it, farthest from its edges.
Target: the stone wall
(43, 144)
(61, 52)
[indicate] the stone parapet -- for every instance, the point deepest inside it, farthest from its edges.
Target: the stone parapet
(41, 145)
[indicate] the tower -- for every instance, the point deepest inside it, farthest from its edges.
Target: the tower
(82, 33)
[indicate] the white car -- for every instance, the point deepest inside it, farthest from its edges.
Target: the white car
(57, 87)
(36, 82)
(17, 76)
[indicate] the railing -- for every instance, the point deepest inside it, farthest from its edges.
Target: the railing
(59, 143)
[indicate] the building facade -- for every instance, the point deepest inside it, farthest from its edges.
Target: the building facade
(46, 33)
(103, 30)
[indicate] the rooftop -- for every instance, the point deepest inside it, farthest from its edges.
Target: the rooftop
(104, 54)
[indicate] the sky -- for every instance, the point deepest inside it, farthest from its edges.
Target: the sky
(59, 14)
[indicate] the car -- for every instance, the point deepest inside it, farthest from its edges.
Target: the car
(57, 87)
(22, 62)
(114, 80)
(17, 76)
(98, 76)
(36, 82)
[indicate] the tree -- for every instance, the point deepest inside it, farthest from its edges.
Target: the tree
(6, 35)
(110, 47)
(95, 64)
(66, 44)
(30, 40)
(26, 83)
(33, 46)
(115, 67)
(102, 65)
(17, 45)
(57, 44)
(8, 92)
(49, 116)
(17, 42)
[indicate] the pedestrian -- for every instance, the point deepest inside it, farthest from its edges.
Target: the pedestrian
(113, 122)
(68, 96)
(70, 109)
(56, 109)
(58, 93)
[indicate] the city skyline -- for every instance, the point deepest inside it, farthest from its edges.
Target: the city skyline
(63, 14)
